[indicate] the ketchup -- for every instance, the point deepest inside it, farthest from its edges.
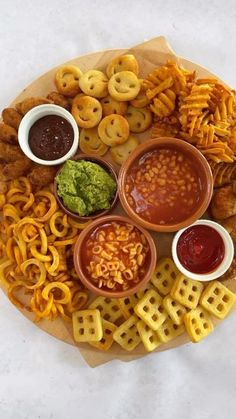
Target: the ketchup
(51, 137)
(200, 249)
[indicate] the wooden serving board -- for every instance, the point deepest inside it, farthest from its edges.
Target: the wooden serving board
(149, 55)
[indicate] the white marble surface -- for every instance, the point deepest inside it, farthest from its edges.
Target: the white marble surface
(41, 377)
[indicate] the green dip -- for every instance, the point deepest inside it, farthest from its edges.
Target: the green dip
(85, 187)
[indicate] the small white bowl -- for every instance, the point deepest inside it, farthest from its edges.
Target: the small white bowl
(226, 262)
(31, 117)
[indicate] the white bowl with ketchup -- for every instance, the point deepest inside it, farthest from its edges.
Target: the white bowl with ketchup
(203, 251)
(48, 135)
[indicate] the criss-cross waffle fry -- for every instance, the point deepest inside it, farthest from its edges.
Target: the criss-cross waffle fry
(223, 173)
(169, 330)
(217, 299)
(164, 275)
(150, 309)
(198, 324)
(127, 305)
(175, 310)
(149, 338)
(108, 308)
(87, 326)
(186, 291)
(107, 339)
(126, 335)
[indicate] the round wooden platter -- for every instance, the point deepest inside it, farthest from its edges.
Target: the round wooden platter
(149, 55)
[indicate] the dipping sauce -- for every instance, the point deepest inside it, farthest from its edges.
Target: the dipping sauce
(116, 256)
(51, 137)
(163, 186)
(200, 249)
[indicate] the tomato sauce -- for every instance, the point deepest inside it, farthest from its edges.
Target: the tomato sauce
(200, 249)
(163, 186)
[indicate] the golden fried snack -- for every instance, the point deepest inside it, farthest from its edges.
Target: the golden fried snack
(139, 119)
(59, 100)
(11, 117)
(107, 339)
(67, 80)
(127, 305)
(164, 276)
(10, 153)
(112, 106)
(121, 152)
(230, 225)
(126, 335)
(94, 83)
(42, 175)
(186, 291)
(198, 324)
(113, 130)
(175, 310)
(109, 309)
(169, 330)
(29, 103)
(8, 134)
(122, 63)
(149, 338)
(223, 204)
(87, 326)
(87, 111)
(217, 299)
(17, 168)
(141, 99)
(124, 86)
(90, 142)
(223, 173)
(150, 309)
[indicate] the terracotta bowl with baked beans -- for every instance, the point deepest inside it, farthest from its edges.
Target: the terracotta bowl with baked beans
(166, 184)
(114, 257)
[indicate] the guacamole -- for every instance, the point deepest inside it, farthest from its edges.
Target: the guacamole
(85, 187)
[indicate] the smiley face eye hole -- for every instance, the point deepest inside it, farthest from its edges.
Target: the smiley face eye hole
(76, 78)
(64, 85)
(132, 86)
(138, 124)
(106, 101)
(86, 138)
(92, 87)
(112, 122)
(95, 109)
(118, 79)
(120, 62)
(114, 111)
(79, 107)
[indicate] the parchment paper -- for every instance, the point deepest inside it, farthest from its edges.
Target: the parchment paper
(149, 55)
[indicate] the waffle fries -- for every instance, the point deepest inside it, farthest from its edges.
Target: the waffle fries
(217, 299)
(127, 335)
(198, 324)
(186, 291)
(150, 309)
(164, 275)
(87, 326)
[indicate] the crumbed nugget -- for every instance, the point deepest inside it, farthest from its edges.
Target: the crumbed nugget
(223, 204)
(11, 117)
(8, 134)
(17, 168)
(42, 175)
(10, 153)
(59, 100)
(30, 103)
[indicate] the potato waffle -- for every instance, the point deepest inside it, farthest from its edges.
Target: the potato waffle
(127, 335)
(198, 324)
(175, 310)
(217, 299)
(164, 275)
(87, 325)
(169, 330)
(107, 339)
(108, 307)
(186, 291)
(127, 305)
(150, 309)
(149, 338)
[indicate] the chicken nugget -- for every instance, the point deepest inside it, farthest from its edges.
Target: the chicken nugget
(223, 203)
(42, 175)
(230, 225)
(59, 100)
(9, 152)
(17, 168)
(8, 134)
(11, 117)
(30, 103)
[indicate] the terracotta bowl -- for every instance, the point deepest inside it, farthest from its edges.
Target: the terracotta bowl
(203, 171)
(105, 165)
(78, 258)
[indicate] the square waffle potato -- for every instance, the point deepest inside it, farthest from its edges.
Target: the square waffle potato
(108, 307)
(127, 305)
(186, 291)
(149, 338)
(87, 325)
(164, 275)
(175, 310)
(217, 299)
(150, 309)
(107, 339)
(169, 330)
(198, 324)
(126, 335)
(140, 293)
